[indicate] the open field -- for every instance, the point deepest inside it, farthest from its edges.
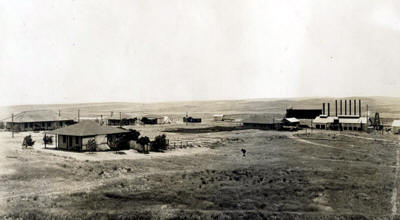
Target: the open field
(323, 175)
(389, 107)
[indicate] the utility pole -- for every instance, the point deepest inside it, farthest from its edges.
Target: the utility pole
(367, 116)
(59, 113)
(78, 115)
(120, 119)
(12, 125)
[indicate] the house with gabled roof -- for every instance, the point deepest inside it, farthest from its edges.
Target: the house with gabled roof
(76, 137)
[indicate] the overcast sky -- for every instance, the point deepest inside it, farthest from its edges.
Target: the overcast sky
(63, 51)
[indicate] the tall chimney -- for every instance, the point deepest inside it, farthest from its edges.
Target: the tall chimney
(345, 107)
(336, 107)
(329, 109)
(341, 109)
(349, 107)
(355, 107)
(323, 108)
(359, 107)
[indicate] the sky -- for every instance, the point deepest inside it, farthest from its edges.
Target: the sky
(71, 51)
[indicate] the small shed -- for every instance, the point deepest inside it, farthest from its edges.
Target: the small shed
(291, 121)
(76, 137)
(396, 126)
(218, 117)
(190, 119)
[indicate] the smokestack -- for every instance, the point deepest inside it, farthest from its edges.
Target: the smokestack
(341, 109)
(323, 108)
(349, 107)
(359, 107)
(329, 109)
(345, 107)
(336, 107)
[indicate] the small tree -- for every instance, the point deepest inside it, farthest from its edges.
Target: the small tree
(159, 143)
(28, 141)
(91, 145)
(144, 141)
(133, 135)
(48, 139)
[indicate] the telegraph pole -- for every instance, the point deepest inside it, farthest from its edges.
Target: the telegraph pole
(12, 125)
(120, 119)
(78, 115)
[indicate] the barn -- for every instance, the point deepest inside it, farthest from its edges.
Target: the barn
(38, 120)
(76, 137)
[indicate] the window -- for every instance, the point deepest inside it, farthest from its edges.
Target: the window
(26, 125)
(64, 138)
(77, 140)
(48, 124)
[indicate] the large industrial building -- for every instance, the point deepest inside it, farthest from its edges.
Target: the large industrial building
(303, 113)
(342, 120)
(38, 120)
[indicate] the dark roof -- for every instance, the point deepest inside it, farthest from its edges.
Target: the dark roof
(37, 116)
(87, 128)
(116, 116)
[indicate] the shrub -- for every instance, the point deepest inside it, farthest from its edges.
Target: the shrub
(143, 140)
(91, 145)
(48, 139)
(28, 141)
(159, 143)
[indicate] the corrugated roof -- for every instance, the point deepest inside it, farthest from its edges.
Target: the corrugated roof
(361, 120)
(37, 116)
(396, 123)
(87, 128)
(324, 120)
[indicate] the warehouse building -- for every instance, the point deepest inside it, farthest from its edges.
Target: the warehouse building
(303, 113)
(38, 120)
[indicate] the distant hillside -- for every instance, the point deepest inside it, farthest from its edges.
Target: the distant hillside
(387, 106)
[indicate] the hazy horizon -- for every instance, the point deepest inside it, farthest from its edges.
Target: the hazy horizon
(155, 51)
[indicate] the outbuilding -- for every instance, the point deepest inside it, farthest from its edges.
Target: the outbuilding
(76, 137)
(122, 119)
(396, 126)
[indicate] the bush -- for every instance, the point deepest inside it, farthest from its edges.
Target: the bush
(48, 139)
(160, 143)
(28, 141)
(91, 145)
(143, 140)
(133, 135)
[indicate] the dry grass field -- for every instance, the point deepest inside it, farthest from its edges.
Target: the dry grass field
(285, 175)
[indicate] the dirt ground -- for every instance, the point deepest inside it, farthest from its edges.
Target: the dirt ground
(303, 175)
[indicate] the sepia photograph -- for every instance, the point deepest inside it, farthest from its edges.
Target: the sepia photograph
(199, 109)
